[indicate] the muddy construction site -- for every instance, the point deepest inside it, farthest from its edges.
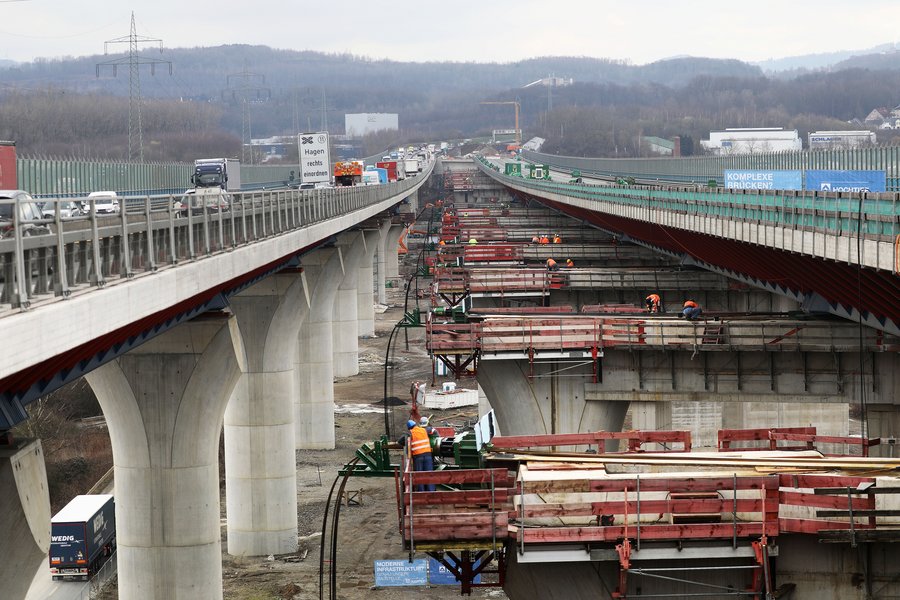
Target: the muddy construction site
(368, 526)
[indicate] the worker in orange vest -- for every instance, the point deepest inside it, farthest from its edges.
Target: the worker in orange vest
(419, 446)
(557, 239)
(551, 265)
(653, 303)
(691, 310)
(570, 263)
(545, 240)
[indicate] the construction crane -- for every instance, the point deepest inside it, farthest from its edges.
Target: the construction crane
(516, 104)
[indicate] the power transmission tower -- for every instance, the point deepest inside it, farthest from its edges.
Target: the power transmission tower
(134, 62)
(249, 89)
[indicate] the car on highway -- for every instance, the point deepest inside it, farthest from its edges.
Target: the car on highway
(31, 221)
(67, 209)
(105, 203)
(212, 200)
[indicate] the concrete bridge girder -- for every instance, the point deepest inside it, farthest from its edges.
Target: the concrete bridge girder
(164, 404)
(260, 462)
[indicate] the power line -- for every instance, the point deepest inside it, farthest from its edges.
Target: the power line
(134, 62)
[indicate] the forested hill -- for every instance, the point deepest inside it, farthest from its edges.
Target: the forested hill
(214, 71)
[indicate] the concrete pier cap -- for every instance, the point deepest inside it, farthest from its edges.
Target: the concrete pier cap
(164, 403)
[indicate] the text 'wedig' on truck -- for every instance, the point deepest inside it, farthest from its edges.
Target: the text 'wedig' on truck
(82, 537)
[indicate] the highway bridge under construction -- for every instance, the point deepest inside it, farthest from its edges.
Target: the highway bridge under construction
(627, 454)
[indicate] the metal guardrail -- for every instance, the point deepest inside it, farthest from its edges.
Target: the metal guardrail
(701, 169)
(153, 231)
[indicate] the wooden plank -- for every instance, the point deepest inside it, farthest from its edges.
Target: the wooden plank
(501, 477)
(871, 490)
(501, 496)
(811, 525)
(686, 506)
(687, 484)
(815, 481)
(859, 513)
(802, 499)
(648, 532)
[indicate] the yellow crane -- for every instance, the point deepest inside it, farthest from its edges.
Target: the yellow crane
(516, 103)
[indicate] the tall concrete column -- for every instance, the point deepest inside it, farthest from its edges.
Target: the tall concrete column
(260, 459)
(345, 328)
(314, 372)
(24, 516)
(391, 247)
(546, 402)
(381, 263)
(365, 289)
(164, 403)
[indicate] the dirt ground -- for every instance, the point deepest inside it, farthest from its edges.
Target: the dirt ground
(368, 531)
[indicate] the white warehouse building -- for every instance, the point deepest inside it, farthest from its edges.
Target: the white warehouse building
(752, 140)
(840, 139)
(359, 124)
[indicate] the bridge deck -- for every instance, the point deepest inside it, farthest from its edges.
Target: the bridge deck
(519, 337)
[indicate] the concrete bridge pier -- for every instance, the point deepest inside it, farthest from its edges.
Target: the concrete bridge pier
(260, 459)
(365, 289)
(24, 517)
(547, 397)
(164, 403)
(346, 312)
(314, 370)
(381, 263)
(391, 248)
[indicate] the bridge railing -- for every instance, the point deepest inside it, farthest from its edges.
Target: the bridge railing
(874, 215)
(46, 258)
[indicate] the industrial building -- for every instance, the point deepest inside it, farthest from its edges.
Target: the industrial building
(840, 139)
(360, 124)
(752, 140)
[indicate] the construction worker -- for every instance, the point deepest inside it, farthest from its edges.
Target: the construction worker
(557, 239)
(535, 240)
(551, 265)
(442, 243)
(653, 303)
(691, 310)
(423, 423)
(570, 263)
(473, 242)
(544, 240)
(420, 451)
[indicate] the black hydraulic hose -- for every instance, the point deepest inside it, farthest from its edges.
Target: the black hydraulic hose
(350, 466)
(334, 528)
(387, 357)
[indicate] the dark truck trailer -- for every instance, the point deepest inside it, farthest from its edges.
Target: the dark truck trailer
(82, 537)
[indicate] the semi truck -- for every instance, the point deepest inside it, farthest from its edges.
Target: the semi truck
(348, 173)
(393, 173)
(223, 173)
(82, 536)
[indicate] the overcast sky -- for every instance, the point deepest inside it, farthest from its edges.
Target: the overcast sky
(639, 31)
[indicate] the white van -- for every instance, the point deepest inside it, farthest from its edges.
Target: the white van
(105, 203)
